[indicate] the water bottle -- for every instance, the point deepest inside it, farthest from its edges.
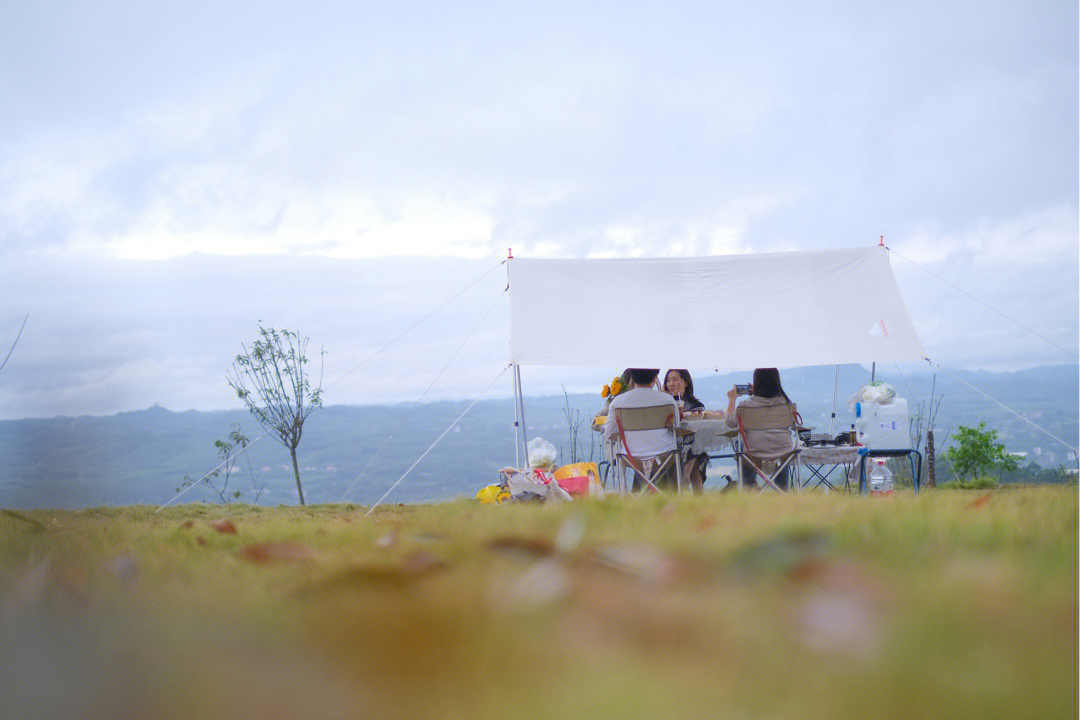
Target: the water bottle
(880, 479)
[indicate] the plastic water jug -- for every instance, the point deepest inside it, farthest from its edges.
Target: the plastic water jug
(883, 427)
(880, 480)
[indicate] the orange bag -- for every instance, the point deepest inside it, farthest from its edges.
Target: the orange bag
(579, 479)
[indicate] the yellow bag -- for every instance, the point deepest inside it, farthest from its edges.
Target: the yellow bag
(492, 494)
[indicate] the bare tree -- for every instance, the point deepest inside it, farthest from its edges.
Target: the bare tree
(573, 425)
(922, 422)
(270, 378)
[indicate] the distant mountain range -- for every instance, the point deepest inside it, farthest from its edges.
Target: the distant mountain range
(143, 456)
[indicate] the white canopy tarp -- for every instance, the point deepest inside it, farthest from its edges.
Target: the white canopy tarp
(729, 312)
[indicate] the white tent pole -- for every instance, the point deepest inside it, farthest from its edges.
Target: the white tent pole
(517, 422)
(521, 443)
(521, 414)
(835, 384)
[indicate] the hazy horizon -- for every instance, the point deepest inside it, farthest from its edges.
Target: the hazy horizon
(170, 177)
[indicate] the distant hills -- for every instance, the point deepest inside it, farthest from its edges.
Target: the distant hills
(143, 456)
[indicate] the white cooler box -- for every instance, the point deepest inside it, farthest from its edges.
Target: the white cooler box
(883, 427)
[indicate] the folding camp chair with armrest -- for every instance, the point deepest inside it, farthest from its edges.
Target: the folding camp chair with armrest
(649, 471)
(774, 417)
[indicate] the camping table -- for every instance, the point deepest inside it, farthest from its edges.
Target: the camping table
(709, 434)
(822, 460)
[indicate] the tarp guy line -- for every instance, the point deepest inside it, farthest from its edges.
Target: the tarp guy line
(1042, 430)
(411, 327)
(372, 509)
(366, 466)
(432, 384)
(1017, 322)
(177, 496)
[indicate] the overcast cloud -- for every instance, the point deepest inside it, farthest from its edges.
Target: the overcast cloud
(345, 168)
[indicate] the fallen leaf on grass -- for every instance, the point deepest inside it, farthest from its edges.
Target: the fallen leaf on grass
(224, 526)
(265, 553)
(73, 581)
(188, 524)
(546, 581)
(122, 566)
(784, 554)
(532, 546)
(30, 587)
(410, 569)
(979, 501)
(844, 611)
(641, 561)
(36, 583)
(570, 534)
(420, 562)
(706, 522)
(200, 540)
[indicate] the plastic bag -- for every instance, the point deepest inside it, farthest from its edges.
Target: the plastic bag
(879, 392)
(532, 484)
(541, 453)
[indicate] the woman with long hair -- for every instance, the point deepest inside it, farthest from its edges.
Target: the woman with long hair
(765, 391)
(679, 384)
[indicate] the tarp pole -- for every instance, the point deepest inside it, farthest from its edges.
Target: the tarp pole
(517, 422)
(835, 384)
(520, 443)
(521, 414)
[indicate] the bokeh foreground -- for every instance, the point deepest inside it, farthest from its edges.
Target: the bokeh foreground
(948, 604)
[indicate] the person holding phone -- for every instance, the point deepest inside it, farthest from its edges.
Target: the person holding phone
(765, 391)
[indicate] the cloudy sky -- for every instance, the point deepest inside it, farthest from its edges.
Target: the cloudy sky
(172, 174)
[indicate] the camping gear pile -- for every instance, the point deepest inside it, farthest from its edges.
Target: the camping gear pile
(881, 418)
(542, 481)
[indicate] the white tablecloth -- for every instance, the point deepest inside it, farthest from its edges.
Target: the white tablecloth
(829, 455)
(707, 435)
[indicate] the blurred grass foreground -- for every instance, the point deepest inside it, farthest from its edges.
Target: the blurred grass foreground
(943, 605)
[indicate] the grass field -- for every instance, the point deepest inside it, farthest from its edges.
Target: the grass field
(950, 604)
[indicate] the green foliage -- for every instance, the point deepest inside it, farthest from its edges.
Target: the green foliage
(975, 452)
(269, 377)
(224, 470)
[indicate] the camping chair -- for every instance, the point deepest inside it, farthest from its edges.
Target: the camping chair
(648, 473)
(777, 417)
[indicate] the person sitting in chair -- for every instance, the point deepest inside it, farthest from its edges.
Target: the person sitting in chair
(644, 445)
(765, 391)
(679, 384)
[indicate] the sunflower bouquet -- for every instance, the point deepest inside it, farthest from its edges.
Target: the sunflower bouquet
(613, 388)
